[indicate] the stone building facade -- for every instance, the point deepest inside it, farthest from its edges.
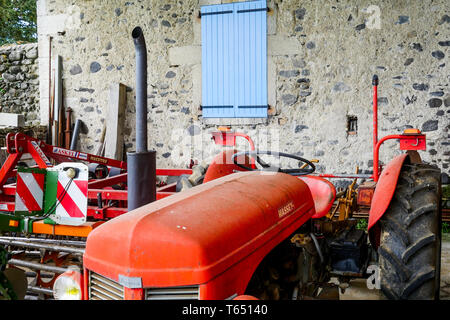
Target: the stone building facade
(19, 81)
(321, 58)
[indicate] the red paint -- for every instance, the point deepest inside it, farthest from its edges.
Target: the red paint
(228, 138)
(375, 131)
(189, 239)
(385, 189)
(172, 172)
(236, 278)
(245, 297)
(25, 194)
(106, 182)
(85, 284)
(224, 138)
(406, 143)
(8, 167)
(105, 212)
(82, 185)
(222, 165)
(108, 194)
(323, 193)
(413, 142)
(133, 294)
(67, 202)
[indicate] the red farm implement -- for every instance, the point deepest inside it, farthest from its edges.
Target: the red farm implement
(107, 183)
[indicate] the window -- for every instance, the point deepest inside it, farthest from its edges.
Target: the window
(352, 125)
(234, 60)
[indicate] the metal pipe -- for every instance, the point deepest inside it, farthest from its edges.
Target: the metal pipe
(27, 253)
(345, 176)
(375, 126)
(38, 266)
(41, 246)
(31, 274)
(316, 243)
(40, 290)
(141, 89)
(141, 179)
(50, 118)
(376, 152)
(76, 133)
(52, 241)
(141, 165)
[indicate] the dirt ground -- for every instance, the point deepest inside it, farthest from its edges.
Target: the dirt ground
(358, 288)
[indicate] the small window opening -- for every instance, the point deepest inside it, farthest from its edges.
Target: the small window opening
(352, 125)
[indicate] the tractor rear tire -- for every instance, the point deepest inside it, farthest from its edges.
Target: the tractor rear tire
(410, 241)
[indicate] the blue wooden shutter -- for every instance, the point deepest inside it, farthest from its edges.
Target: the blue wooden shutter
(234, 60)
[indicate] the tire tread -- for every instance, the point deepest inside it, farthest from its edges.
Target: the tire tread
(410, 235)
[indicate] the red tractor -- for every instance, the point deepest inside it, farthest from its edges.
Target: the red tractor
(240, 227)
(267, 232)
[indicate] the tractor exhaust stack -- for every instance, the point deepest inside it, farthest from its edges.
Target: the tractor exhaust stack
(142, 163)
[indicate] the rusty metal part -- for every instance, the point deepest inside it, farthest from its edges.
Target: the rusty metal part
(346, 204)
(365, 192)
(305, 164)
(42, 246)
(59, 262)
(68, 129)
(414, 156)
(333, 227)
(300, 239)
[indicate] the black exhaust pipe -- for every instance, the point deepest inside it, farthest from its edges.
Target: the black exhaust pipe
(141, 165)
(141, 89)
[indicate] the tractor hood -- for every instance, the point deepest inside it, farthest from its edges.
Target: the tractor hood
(192, 236)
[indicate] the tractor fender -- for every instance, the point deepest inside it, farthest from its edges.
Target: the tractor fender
(385, 188)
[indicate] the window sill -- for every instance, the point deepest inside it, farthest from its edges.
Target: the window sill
(234, 121)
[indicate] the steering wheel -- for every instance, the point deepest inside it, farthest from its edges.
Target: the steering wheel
(293, 172)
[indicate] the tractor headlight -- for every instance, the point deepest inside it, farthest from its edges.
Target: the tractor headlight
(68, 286)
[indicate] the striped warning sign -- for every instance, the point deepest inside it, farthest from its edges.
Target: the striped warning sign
(70, 207)
(72, 196)
(29, 191)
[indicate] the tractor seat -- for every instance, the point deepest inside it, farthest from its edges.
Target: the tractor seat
(323, 193)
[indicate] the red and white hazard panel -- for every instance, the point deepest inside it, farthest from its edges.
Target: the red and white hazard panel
(71, 194)
(30, 190)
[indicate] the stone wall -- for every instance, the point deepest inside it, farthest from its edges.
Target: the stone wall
(19, 81)
(321, 58)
